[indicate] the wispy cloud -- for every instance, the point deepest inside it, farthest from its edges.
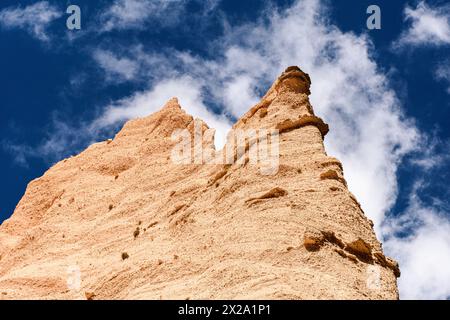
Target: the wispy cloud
(34, 18)
(62, 139)
(117, 69)
(131, 63)
(136, 14)
(428, 26)
(424, 253)
(442, 73)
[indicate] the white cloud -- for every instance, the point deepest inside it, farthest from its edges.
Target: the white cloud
(443, 73)
(34, 18)
(117, 69)
(132, 63)
(429, 26)
(424, 254)
(134, 14)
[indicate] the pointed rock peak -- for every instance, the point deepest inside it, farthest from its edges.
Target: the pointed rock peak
(292, 82)
(285, 106)
(293, 79)
(172, 103)
(160, 124)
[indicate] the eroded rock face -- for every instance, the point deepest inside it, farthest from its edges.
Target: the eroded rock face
(122, 221)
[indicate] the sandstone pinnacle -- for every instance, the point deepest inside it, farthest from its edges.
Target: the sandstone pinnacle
(121, 220)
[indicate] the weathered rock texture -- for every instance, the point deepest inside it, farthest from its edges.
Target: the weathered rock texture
(138, 226)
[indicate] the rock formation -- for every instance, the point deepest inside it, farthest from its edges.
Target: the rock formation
(122, 220)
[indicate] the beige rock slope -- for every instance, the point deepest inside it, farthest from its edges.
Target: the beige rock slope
(132, 224)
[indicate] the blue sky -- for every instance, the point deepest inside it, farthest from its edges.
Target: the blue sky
(384, 92)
